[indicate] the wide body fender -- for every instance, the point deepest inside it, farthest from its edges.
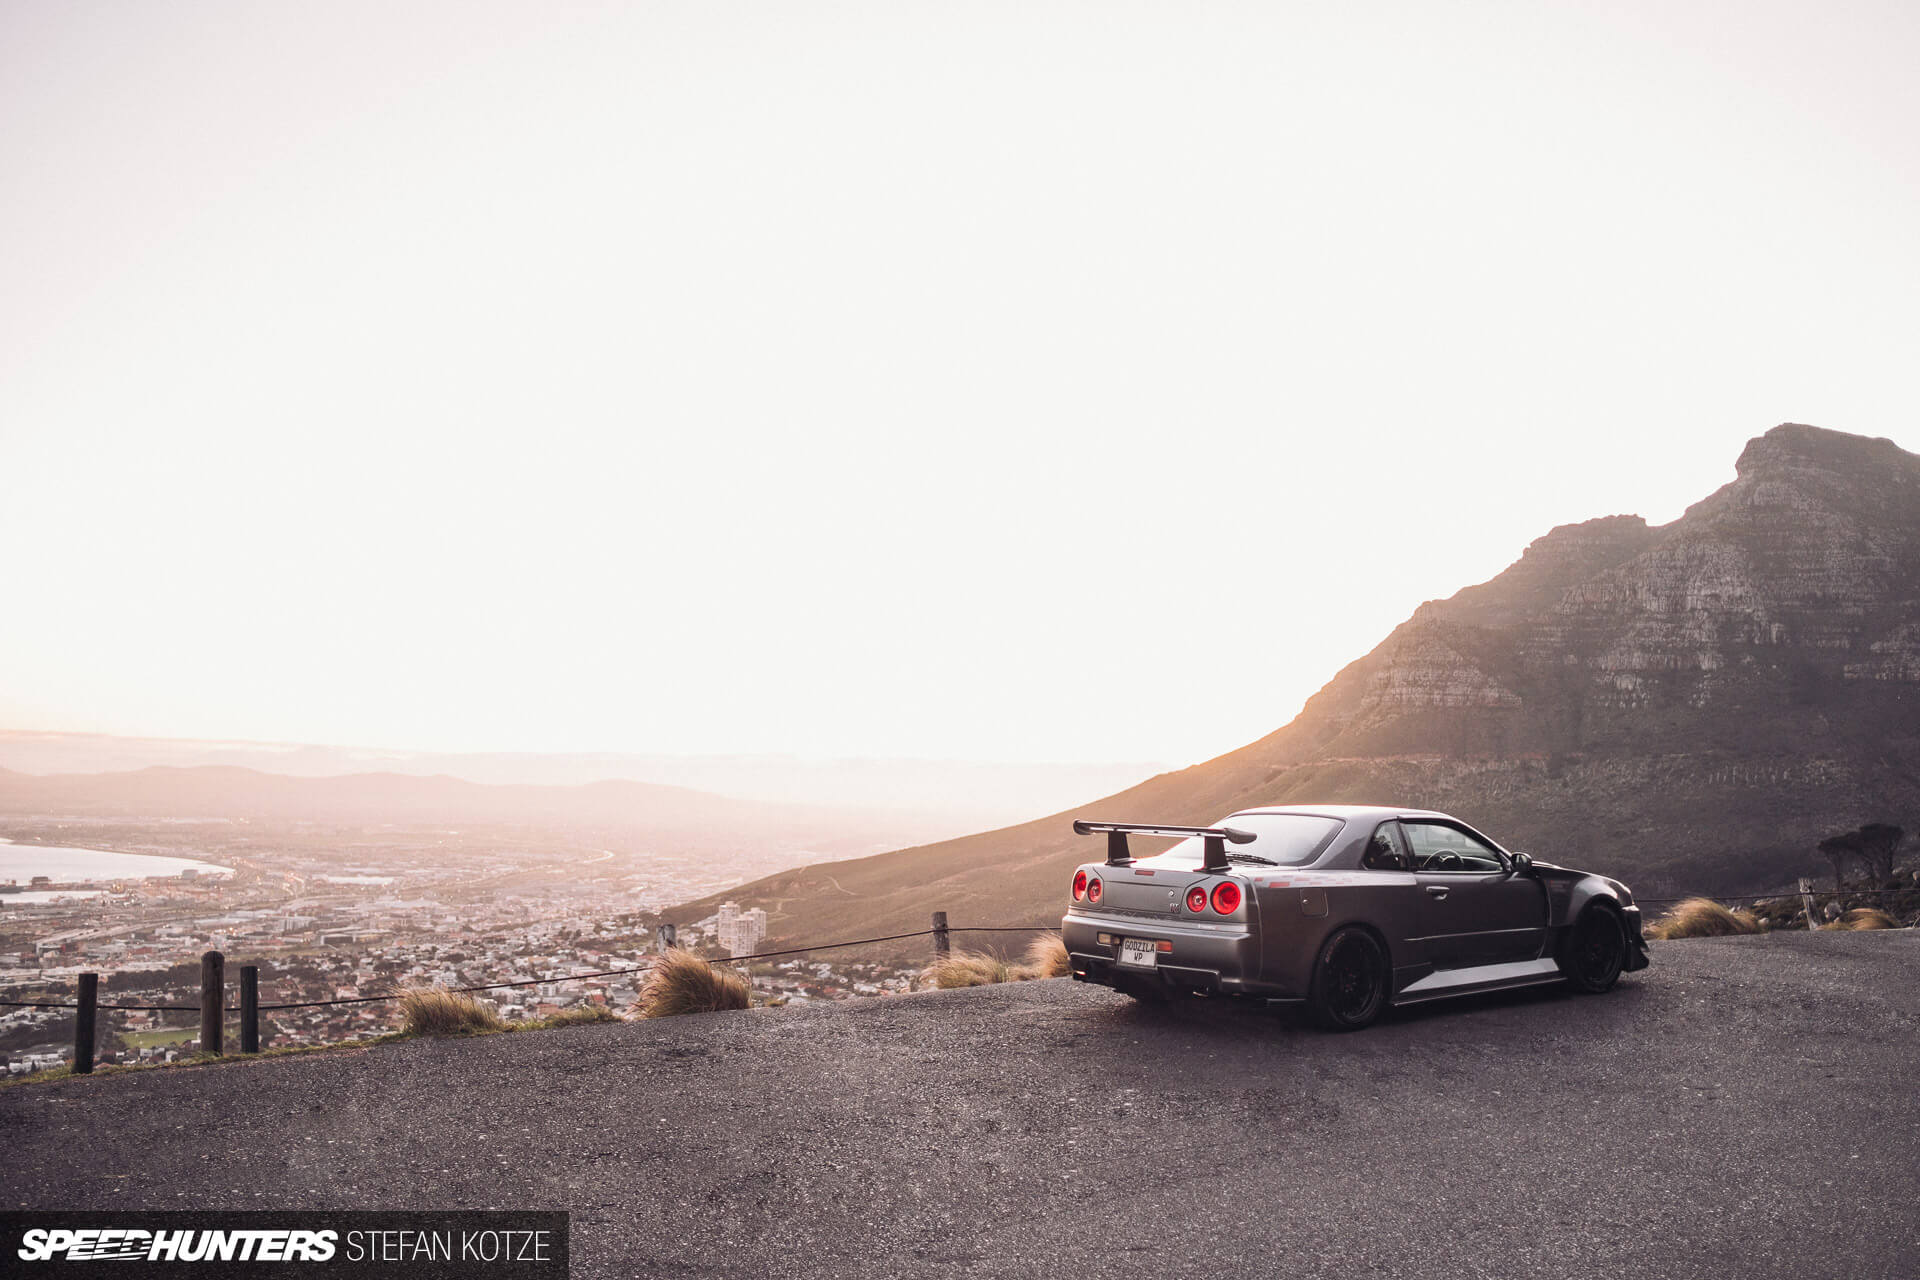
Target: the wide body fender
(1570, 893)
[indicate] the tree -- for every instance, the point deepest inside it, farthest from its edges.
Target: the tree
(1840, 850)
(1878, 841)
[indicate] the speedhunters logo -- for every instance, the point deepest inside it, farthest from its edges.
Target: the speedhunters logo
(420, 1245)
(115, 1244)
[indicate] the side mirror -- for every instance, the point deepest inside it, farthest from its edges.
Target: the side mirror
(1522, 864)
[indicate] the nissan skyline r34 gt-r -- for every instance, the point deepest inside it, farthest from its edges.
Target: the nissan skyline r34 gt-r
(1344, 909)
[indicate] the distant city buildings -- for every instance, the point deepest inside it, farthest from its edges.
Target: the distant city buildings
(741, 932)
(325, 924)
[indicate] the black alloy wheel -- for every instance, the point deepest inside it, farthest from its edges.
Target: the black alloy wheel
(1594, 952)
(1349, 980)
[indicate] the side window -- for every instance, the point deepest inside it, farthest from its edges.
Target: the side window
(1387, 850)
(1437, 847)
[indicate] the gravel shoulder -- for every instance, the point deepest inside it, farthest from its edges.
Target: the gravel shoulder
(1747, 1106)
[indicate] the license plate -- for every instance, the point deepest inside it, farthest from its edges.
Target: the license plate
(1141, 951)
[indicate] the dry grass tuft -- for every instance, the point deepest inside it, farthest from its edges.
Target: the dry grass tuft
(436, 1011)
(1863, 918)
(1702, 918)
(681, 982)
(970, 969)
(1047, 957)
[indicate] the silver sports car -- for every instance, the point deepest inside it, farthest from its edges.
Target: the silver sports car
(1342, 908)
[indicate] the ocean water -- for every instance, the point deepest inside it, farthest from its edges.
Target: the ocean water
(22, 862)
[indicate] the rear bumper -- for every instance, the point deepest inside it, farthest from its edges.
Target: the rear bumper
(1203, 957)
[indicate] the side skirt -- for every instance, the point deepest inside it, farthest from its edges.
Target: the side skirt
(1487, 977)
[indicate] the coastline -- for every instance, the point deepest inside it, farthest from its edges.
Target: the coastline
(71, 864)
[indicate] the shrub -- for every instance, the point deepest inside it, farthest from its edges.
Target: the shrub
(969, 969)
(1879, 845)
(1863, 918)
(1702, 918)
(1047, 957)
(436, 1011)
(681, 982)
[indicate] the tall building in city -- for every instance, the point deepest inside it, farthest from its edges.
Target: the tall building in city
(740, 932)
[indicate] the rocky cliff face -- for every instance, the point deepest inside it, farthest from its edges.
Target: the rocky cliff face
(1718, 692)
(1692, 707)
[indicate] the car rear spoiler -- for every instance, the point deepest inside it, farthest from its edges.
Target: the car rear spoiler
(1213, 839)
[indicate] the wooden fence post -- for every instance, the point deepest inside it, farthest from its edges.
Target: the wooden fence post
(83, 1024)
(249, 1008)
(1806, 900)
(213, 984)
(942, 945)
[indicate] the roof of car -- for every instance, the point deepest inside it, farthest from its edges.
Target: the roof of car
(1350, 812)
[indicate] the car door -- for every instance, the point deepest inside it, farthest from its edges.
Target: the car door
(1393, 901)
(1473, 909)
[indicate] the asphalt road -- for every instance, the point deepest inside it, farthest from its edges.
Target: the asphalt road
(1747, 1107)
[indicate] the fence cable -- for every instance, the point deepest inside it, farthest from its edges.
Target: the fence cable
(759, 955)
(1769, 897)
(532, 982)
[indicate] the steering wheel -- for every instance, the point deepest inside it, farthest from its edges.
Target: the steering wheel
(1448, 861)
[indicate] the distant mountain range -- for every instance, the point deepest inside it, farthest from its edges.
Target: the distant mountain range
(1689, 706)
(672, 816)
(936, 797)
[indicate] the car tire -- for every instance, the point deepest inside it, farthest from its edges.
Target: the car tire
(1351, 978)
(1593, 952)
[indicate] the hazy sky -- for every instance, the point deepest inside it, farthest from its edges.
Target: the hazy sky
(1012, 382)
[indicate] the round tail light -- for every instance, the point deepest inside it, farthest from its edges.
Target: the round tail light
(1079, 885)
(1093, 889)
(1226, 897)
(1197, 899)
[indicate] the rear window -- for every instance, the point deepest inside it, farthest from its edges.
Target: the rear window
(1286, 839)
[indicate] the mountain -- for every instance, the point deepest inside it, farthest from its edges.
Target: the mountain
(689, 819)
(921, 795)
(1690, 707)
